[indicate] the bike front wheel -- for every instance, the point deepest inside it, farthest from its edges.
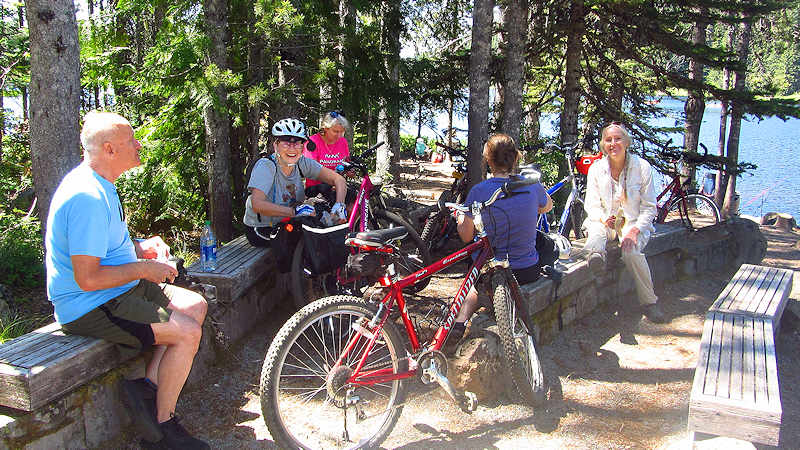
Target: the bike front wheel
(519, 346)
(307, 400)
(695, 210)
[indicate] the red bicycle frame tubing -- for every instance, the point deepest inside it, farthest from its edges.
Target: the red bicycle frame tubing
(396, 294)
(361, 204)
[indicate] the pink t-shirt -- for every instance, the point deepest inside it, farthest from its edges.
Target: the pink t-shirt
(329, 156)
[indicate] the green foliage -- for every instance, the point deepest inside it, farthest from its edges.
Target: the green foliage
(21, 247)
(17, 325)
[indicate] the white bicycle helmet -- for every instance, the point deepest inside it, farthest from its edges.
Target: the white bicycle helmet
(562, 244)
(289, 127)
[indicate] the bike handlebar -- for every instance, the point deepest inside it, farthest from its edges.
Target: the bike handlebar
(509, 188)
(452, 151)
(357, 162)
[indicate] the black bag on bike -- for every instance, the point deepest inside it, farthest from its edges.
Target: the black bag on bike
(324, 249)
(284, 239)
(369, 265)
(546, 248)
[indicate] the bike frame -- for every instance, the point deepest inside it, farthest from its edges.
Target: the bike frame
(676, 190)
(360, 208)
(574, 197)
(395, 294)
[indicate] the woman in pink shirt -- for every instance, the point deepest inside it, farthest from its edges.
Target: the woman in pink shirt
(331, 146)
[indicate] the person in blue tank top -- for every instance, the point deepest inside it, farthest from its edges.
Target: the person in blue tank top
(510, 224)
(105, 285)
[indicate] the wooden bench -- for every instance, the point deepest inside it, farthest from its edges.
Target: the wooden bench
(756, 291)
(735, 391)
(239, 266)
(45, 364)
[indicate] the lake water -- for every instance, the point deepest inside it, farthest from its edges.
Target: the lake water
(771, 144)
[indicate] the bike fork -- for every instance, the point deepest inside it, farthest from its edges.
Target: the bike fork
(467, 401)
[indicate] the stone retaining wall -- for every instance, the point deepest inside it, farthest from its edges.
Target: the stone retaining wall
(93, 414)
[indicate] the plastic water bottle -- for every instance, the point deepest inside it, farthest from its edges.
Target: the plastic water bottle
(208, 249)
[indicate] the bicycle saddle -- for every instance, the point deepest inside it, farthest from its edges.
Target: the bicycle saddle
(376, 238)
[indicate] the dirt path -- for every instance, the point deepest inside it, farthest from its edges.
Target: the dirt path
(624, 382)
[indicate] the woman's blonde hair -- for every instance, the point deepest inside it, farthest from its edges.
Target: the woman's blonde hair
(625, 135)
(333, 118)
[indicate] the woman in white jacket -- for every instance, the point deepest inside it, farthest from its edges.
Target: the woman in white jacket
(621, 204)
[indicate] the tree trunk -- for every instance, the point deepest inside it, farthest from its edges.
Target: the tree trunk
(255, 74)
(55, 96)
(450, 133)
(721, 183)
(737, 112)
(217, 126)
(389, 117)
(24, 91)
(515, 14)
(695, 103)
(532, 126)
(478, 116)
(569, 114)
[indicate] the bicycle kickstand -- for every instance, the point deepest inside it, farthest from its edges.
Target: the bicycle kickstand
(467, 401)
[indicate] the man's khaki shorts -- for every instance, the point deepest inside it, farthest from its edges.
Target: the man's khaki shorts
(125, 320)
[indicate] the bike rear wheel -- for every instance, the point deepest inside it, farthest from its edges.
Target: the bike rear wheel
(519, 347)
(696, 212)
(414, 254)
(306, 399)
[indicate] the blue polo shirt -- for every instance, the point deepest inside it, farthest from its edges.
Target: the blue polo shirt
(85, 218)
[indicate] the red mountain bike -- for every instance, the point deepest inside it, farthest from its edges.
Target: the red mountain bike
(334, 375)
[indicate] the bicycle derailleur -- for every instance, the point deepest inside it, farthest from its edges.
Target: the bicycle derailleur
(433, 368)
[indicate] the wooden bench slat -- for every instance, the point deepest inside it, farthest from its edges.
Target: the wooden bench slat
(742, 301)
(760, 362)
(713, 359)
(726, 355)
(773, 386)
(737, 358)
(732, 288)
(55, 346)
(780, 296)
(752, 297)
(698, 385)
(748, 360)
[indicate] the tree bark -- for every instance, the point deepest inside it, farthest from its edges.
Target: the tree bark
(721, 183)
(478, 115)
(55, 96)
(389, 117)
(737, 112)
(695, 103)
(515, 13)
(572, 93)
(217, 125)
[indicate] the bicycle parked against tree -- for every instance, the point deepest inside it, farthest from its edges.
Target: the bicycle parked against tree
(571, 218)
(334, 376)
(679, 198)
(369, 212)
(440, 225)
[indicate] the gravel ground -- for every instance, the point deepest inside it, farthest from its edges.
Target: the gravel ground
(622, 382)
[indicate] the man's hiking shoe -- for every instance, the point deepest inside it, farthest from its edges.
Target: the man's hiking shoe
(654, 313)
(176, 437)
(453, 339)
(597, 263)
(139, 396)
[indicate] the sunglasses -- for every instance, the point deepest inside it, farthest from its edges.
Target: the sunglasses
(291, 140)
(335, 114)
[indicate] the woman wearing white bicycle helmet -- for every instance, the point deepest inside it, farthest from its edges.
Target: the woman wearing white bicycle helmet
(510, 224)
(621, 204)
(276, 183)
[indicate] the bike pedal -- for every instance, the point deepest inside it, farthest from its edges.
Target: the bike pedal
(469, 403)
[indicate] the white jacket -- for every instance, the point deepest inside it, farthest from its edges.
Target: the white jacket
(640, 207)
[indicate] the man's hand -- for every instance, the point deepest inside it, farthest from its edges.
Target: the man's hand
(158, 272)
(153, 248)
(610, 222)
(629, 241)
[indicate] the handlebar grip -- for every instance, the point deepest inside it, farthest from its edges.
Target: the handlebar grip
(510, 187)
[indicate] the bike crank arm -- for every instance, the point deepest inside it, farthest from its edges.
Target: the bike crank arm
(467, 401)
